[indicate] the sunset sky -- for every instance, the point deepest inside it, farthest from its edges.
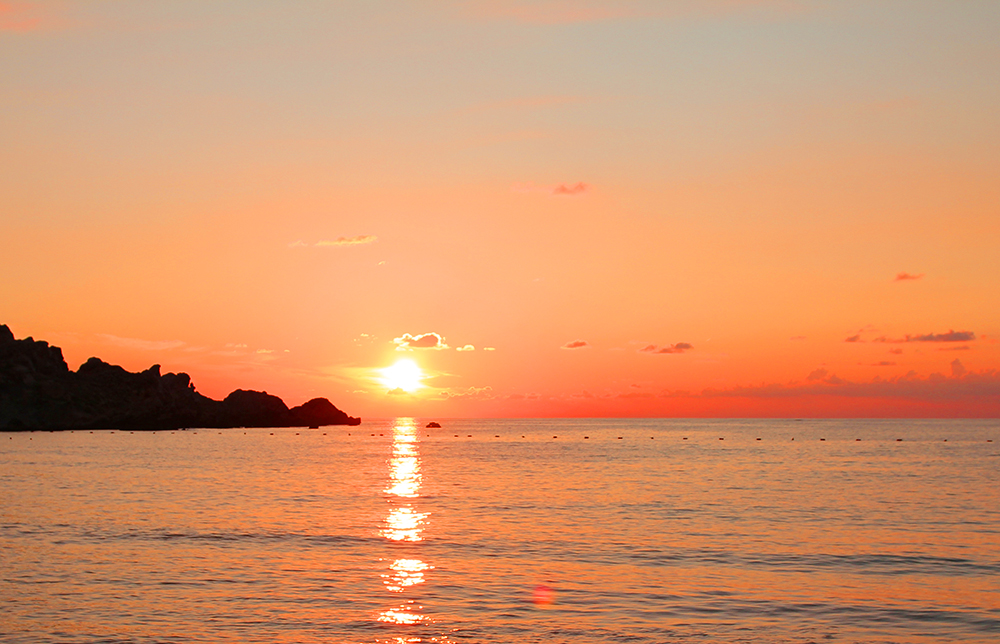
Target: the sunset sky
(552, 208)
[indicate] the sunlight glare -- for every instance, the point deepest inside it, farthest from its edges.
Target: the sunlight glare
(405, 375)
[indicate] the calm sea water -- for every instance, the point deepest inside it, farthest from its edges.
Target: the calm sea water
(576, 531)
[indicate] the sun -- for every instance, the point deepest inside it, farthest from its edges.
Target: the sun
(405, 375)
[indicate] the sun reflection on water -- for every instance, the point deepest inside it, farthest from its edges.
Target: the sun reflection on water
(405, 573)
(404, 524)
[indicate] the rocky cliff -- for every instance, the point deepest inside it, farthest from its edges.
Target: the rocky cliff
(38, 391)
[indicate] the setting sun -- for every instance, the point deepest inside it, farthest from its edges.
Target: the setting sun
(405, 375)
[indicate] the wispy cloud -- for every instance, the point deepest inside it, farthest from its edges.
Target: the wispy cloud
(407, 342)
(575, 189)
(348, 241)
(357, 240)
(854, 338)
(903, 277)
(935, 387)
(469, 393)
(576, 344)
(467, 347)
(950, 336)
(680, 347)
(560, 189)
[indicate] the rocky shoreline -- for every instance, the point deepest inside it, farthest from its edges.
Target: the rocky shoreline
(39, 392)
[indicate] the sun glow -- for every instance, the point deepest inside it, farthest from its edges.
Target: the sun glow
(405, 375)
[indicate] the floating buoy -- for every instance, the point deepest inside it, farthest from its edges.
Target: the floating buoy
(586, 437)
(555, 437)
(496, 435)
(619, 438)
(899, 440)
(822, 439)
(721, 438)
(857, 439)
(685, 438)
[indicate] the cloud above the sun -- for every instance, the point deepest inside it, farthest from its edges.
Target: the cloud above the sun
(407, 342)
(576, 344)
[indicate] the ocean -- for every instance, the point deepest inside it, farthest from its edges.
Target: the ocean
(575, 531)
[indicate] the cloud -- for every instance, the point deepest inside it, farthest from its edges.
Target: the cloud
(489, 348)
(357, 240)
(818, 374)
(576, 344)
(902, 277)
(561, 189)
(964, 347)
(935, 387)
(883, 363)
(636, 394)
(349, 241)
(950, 336)
(406, 342)
(575, 189)
(896, 351)
(142, 345)
(467, 347)
(854, 338)
(957, 368)
(680, 347)
(469, 393)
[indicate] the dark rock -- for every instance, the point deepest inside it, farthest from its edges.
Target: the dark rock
(433, 424)
(38, 391)
(319, 412)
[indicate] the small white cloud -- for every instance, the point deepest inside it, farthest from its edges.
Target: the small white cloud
(348, 241)
(489, 349)
(467, 347)
(431, 340)
(265, 350)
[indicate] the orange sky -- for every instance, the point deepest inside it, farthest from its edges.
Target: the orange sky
(641, 208)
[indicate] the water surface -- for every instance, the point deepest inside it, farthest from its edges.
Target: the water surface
(576, 531)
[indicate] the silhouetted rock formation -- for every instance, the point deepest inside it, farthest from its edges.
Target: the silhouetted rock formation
(38, 391)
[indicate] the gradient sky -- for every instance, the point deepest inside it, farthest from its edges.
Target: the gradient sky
(628, 208)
